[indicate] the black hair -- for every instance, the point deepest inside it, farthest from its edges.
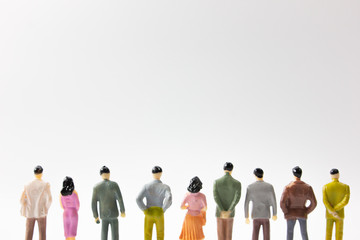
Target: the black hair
(228, 166)
(334, 171)
(195, 185)
(156, 169)
(297, 171)
(38, 169)
(258, 172)
(104, 169)
(68, 186)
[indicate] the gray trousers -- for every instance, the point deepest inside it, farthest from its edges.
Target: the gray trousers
(291, 225)
(114, 228)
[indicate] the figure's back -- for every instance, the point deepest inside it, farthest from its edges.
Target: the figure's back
(106, 195)
(227, 188)
(335, 192)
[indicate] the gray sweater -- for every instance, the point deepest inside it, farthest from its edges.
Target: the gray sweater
(262, 196)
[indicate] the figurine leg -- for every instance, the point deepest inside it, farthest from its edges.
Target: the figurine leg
(339, 225)
(148, 227)
(42, 228)
(303, 228)
(104, 229)
(224, 226)
(256, 229)
(290, 229)
(329, 228)
(114, 229)
(30, 223)
(160, 227)
(266, 229)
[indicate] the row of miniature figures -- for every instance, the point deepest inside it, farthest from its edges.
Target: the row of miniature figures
(36, 200)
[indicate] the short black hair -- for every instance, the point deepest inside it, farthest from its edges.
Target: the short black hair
(156, 169)
(259, 172)
(104, 169)
(195, 185)
(228, 166)
(334, 171)
(297, 171)
(38, 169)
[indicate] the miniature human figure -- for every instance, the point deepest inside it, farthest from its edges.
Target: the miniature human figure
(336, 196)
(107, 193)
(227, 192)
(35, 203)
(195, 219)
(293, 204)
(262, 196)
(158, 200)
(69, 201)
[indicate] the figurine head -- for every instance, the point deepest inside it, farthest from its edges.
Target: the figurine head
(297, 171)
(105, 173)
(68, 186)
(195, 185)
(157, 172)
(38, 170)
(259, 173)
(228, 167)
(334, 173)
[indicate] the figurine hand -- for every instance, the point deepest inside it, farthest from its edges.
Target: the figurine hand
(274, 218)
(184, 207)
(97, 220)
(247, 220)
(225, 214)
(123, 215)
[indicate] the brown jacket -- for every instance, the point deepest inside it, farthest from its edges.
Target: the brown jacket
(294, 198)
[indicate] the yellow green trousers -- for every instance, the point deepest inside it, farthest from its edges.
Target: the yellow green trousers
(154, 215)
(339, 223)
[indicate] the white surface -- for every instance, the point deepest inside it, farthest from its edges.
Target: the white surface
(186, 85)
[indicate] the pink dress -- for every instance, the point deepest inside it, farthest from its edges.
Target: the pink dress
(71, 206)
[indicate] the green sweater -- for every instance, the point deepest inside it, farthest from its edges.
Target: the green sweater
(227, 192)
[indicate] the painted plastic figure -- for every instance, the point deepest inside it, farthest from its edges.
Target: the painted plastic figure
(262, 196)
(227, 192)
(158, 200)
(107, 193)
(35, 203)
(195, 219)
(293, 201)
(69, 201)
(336, 196)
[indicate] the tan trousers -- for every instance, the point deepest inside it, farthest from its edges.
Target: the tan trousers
(224, 228)
(30, 223)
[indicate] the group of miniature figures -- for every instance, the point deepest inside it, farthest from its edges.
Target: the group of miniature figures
(36, 200)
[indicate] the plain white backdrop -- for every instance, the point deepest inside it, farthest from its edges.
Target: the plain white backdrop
(186, 85)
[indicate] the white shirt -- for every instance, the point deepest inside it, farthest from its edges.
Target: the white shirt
(36, 199)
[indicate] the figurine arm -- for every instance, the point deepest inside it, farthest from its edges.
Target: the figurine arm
(48, 196)
(183, 204)
(94, 204)
(217, 198)
(120, 199)
(61, 205)
(273, 203)
(313, 201)
(284, 201)
(23, 198)
(246, 205)
(168, 199)
(77, 202)
(344, 201)
(328, 206)
(236, 198)
(139, 199)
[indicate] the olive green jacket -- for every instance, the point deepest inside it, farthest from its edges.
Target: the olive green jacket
(336, 196)
(227, 192)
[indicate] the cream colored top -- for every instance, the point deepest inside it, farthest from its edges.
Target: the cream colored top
(36, 199)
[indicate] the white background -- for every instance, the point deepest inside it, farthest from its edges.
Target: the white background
(187, 85)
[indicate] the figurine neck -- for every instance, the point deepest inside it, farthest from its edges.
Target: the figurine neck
(228, 172)
(105, 176)
(297, 179)
(38, 176)
(157, 176)
(259, 179)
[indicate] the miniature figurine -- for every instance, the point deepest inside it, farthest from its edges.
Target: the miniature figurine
(69, 201)
(336, 196)
(107, 193)
(195, 219)
(292, 203)
(35, 203)
(227, 192)
(262, 196)
(158, 200)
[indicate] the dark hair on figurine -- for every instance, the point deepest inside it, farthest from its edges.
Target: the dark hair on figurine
(228, 166)
(195, 185)
(334, 171)
(38, 169)
(297, 171)
(104, 169)
(259, 172)
(68, 186)
(156, 169)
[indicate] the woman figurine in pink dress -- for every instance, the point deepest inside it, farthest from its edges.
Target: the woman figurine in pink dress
(69, 201)
(195, 219)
